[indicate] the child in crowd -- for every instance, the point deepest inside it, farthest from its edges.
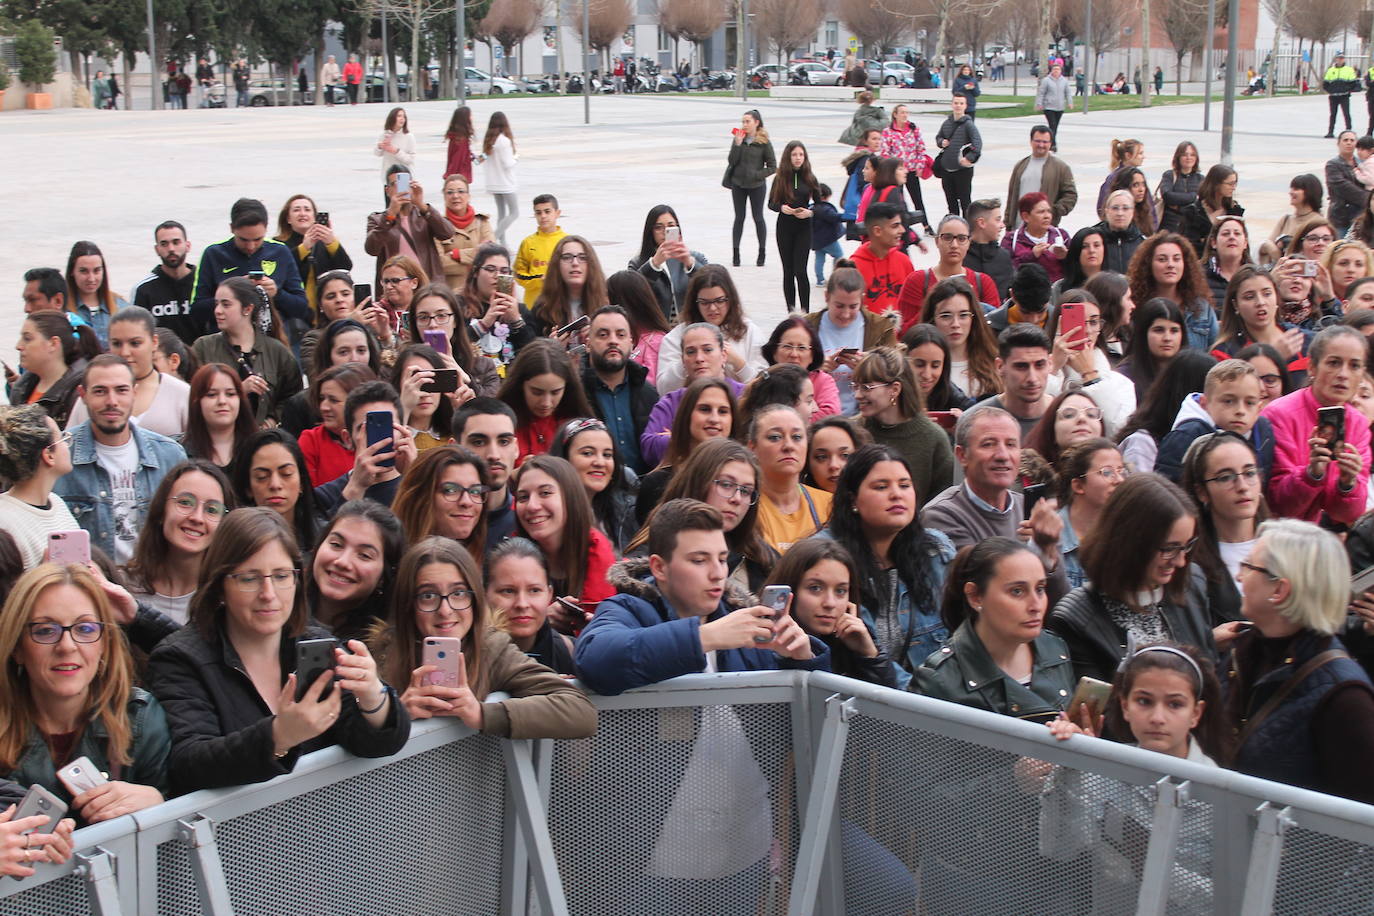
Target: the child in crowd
(1364, 161)
(1231, 400)
(532, 257)
(826, 231)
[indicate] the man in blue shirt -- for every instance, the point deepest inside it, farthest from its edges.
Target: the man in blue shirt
(248, 252)
(617, 387)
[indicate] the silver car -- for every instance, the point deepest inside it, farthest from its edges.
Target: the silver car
(481, 82)
(817, 74)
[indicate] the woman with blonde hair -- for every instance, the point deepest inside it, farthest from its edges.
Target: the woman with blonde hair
(889, 399)
(68, 692)
(471, 229)
(306, 231)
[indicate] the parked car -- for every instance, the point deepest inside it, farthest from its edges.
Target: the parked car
(375, 83)
(894, 73)
(265, 92)
(480, 82)
(772, 73)
(815, 73)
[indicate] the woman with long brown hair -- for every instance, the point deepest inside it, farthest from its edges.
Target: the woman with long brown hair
(795, 189)
(543, 390)
(444, 494)
(89, 295)
(50, 355)
(265, 364)
(219, 421)
(713, 298)
(498, 160)
(707, 410)
(459, 138)
(1166, 266)
(952, 308)
(306, 231)
(575, 285)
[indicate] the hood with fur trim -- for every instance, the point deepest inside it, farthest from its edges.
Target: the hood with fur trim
(631, 576)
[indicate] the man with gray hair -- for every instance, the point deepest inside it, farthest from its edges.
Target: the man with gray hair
(703, 356)
(987, 445)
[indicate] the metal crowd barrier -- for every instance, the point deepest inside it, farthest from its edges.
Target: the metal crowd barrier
(776, 793)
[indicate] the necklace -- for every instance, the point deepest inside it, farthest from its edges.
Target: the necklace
(151, 372)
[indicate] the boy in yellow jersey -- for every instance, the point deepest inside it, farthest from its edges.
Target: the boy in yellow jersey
(532, 258)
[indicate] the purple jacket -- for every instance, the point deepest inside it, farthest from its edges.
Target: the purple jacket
(653, 442)
(1019, 244)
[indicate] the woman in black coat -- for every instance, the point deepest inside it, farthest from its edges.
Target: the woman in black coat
(960, 146)
(746, 175)
(226, 680)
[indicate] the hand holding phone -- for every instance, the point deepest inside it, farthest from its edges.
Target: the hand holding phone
(402, 182)
(576, 324)
(672, 234)
(39, 801)
(313, 658)
(777, 598)
(505, 284)
(80, 776)
(380, 426)
(445, 655)
(444, 381)
(1093, 694)
(436, 339)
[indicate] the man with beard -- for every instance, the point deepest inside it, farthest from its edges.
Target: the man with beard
(987, 444)
(116, 466)
(618, 388)
(168, 291)
(1023, 362)
(486, 427)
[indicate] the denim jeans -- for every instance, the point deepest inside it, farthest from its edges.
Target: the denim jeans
(834, 250)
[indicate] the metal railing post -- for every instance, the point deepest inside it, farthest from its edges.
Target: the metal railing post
(98, 873)
(1159, 857)
(1262, 876)
(820, 807)
(532, 815)
(199, 834)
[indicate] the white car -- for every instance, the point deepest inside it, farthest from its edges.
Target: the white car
(817, 74)
(480, 82)
(897, 73)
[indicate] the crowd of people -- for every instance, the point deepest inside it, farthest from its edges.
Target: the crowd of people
(1136, 455)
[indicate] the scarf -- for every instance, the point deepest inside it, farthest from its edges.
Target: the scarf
(1295, 312)
(462, 222)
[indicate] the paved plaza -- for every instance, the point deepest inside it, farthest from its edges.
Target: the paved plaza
(111, 176)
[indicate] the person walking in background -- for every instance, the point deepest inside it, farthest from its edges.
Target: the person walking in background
(329, 78)
(100, 91)
(352, 77)
(1159, 80)
(1339, 81)
(459, 138)
(795, 189)
(902, 140)
(750, 163)
(397, 145)
(242, 73)
(498, 170)
(1052, 97)
(966, 84)
(960, 145)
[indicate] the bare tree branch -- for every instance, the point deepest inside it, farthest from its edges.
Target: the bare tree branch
(879, 24)
(691, 20)
(787, 25)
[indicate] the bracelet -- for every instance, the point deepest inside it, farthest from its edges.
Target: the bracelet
(386, 694)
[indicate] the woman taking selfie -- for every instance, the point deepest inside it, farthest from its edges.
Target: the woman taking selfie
(575, 285)
(351, 570)
(439, 594)
(587, 445)
(750, 163)
(183, 516)
(438, 308)
(69, 693)
(713, 299)
(664, 261)
(1081, 359)
(327, 449)
(225, 679)
(544, 392)
(219, 423)
(51, 357)
(159, 399)
(788, 509)
(266, 366)
(444, 494)
(471, 230)
(889, 401)
(306, 231)
(519, 594)
(271, 473)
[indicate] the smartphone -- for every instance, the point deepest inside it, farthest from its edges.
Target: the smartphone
(775, 598)
(945, 419)
(380, 425)
(1070, 317)
(444, 381)
(505, 284)
(1331, 425)
(256, 275)
(1093, 692)
(576, 324)
(672, 234)
(70, 547)
(361, 293)
(443, 652)
(322, 217)
(313, 658)
(402, 182)
(436, 339)
(1307, 268)
(81, 776)
(1034, 493)
(39, 800)
(849, 351)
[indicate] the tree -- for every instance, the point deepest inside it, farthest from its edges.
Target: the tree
(1185, 24)
(1319, 21)
(787, 25)
(607, 20)
(510, 22)
(33, 49)
(691, 20)
(1018, 24)
(880, 27)
(413, 15)
(1110, 18)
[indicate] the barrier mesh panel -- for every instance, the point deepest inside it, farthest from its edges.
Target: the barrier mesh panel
(1321, 874)
(677, 812)
(357, 846)
(935, 825)
(65, 895)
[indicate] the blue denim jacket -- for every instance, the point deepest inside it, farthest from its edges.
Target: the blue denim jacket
(86, 490)
(928, 632)
(1203, 327)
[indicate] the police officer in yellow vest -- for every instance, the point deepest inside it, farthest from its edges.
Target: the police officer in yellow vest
(1369, 99)
(1340, 80)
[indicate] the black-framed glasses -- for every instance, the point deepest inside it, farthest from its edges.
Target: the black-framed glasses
(185, 504)
(948, 237)
(428, 601)
(573, 257)
(281, 579)
(728, 488)
(1263, 571)
(452, 492)
(718, 301)
(1229, 478)
(1169, 551)
(50, 634)
(425, 319)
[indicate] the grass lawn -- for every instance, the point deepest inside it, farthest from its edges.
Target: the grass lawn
(1019, 106)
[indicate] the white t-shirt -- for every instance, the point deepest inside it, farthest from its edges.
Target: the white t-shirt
(958, 374)
(30, 525)
(121, 463)
(833, 338)
(1233, 553)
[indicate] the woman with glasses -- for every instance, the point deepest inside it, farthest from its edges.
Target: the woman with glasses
(69, 693)
(352, 568)
(713, 299)
(185, 512)
(328, 450)
(1311, 238)
(490, 310)
(724, 474)
(552, 509)
(1275, 381)
(1089, 472)
(471, 230)
(952, 308)
(587, 445)
(666, 264)
(238, 714)
(34, 455)
(789, 510)
(400, 278)
(271, 473)
(218, 423)
(1140, 587)
(796, 341)
(1080, 359)
(1070, 419)
(1222, 473)
(438, 308)
(1119, 230)
(889, 401)
(444, 494)
(575, 285)
(266, 366)
(1306, 299)
(440, 594)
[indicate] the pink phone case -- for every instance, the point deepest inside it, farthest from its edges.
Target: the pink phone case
(443, 653)
(70, 547)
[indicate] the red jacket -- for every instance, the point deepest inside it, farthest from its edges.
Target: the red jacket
(326, 458)
(883, 278)
(353, 72)
(913, 297)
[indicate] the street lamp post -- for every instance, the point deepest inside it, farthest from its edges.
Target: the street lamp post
(461, 28)
(1207, 65)
(586, 77)
(1228, 107)
(152, 61)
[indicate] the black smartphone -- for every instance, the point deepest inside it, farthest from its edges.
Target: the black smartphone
(313, 658)
(1033, 494)
(444, 381)
(576, 324)
(1331, 426)
(361, 293)
(322, 217)
(380, 425)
